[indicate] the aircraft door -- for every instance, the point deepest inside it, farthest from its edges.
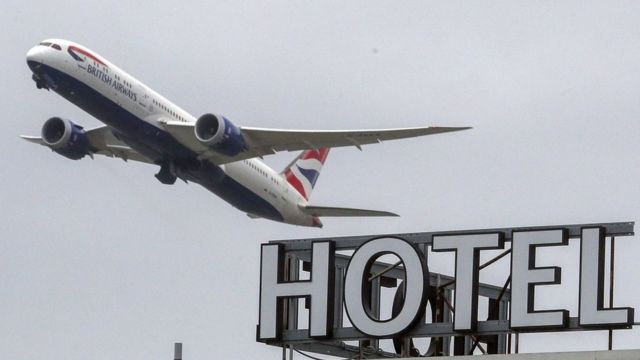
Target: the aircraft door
(142, 97)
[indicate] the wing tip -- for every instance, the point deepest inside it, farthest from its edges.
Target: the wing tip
(386, 213)
(33, 139)
(453, 128)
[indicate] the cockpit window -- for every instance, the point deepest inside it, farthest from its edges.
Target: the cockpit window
(53, 45)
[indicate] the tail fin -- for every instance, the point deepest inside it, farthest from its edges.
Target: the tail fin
(303, 172)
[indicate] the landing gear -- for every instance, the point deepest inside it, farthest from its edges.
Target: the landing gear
(167, 173)
(40, 83)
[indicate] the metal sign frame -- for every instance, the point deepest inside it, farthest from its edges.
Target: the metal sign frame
(490, 336)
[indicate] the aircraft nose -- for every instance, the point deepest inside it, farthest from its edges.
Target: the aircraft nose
(34, 57)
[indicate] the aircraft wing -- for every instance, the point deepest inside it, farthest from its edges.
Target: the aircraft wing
(342, 212)
(103, 142)
(261, 141)
(293, 140)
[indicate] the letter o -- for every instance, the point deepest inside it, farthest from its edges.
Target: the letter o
(415, 290)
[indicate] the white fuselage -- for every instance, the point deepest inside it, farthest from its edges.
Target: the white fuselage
(113, 85)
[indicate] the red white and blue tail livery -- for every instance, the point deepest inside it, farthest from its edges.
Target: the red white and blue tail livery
(142, 125)
(303, 173)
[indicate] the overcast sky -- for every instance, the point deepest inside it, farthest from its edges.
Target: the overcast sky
(98, 260)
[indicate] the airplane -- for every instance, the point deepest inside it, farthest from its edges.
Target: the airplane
(141, 125)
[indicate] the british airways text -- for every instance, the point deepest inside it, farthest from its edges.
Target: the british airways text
(118, 86)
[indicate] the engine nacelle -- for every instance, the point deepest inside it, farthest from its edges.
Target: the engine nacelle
(219, 134)
(65, 138)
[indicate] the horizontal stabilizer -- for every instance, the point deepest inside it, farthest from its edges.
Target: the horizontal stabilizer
(342, 212)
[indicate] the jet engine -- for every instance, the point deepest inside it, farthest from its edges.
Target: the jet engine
(65, 138)
(219, 134)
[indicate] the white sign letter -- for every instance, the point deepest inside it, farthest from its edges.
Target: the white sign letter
(525, 276)
(416, 285)
(467, 248)
(320, 289)
(592, 311)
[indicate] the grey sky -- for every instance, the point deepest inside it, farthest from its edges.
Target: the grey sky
(99, 260)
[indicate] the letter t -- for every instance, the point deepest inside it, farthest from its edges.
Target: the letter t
(467, 248)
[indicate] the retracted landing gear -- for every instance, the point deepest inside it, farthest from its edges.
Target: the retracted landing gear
(40, 83)
(167, 173)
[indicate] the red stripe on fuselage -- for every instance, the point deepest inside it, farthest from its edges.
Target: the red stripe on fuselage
(87, 54)
(293, 180)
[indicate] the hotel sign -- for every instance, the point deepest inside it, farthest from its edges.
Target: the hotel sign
(525, 277)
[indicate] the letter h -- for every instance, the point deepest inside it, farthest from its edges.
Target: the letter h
(318, 290)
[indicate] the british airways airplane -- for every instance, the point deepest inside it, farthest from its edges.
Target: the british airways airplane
(212, 151)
